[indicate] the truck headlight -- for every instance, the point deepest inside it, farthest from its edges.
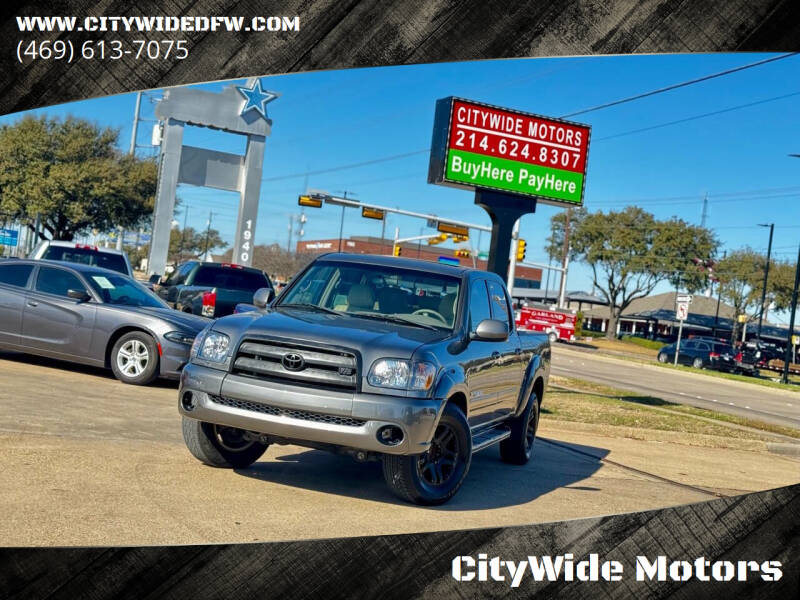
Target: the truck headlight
(402, 374)
(214, 347)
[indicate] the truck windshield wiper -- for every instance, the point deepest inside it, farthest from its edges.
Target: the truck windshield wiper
(393, 319)
(309, 306)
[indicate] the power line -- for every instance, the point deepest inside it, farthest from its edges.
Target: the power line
(679, 85)
(696, 117)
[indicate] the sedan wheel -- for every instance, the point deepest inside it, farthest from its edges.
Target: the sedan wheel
(134, 358)
(662, 358)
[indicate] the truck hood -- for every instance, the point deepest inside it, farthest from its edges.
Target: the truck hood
(372, 338)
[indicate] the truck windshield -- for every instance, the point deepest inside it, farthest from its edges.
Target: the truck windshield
(87, 256)
(416, 297)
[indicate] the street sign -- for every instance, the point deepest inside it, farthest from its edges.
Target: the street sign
(685, 298)
(8, 237)
(480, 146)
(682, 311)
(453, 229)
(373, 213)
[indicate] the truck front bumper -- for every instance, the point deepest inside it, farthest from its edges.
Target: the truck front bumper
(348, 420)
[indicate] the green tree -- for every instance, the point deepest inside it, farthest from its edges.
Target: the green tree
(630, 252)
(741, 276)
(71, 173)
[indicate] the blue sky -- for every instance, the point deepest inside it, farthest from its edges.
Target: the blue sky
(328, 119)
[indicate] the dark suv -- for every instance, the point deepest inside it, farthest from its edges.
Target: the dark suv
(210, 289)
(699, 353)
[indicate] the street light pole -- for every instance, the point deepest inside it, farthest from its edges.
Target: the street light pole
(788, 355)
(766, 274)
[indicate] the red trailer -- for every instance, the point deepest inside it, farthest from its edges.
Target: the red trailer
(557, 324)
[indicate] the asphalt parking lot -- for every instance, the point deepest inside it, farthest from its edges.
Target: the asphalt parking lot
(90, 461)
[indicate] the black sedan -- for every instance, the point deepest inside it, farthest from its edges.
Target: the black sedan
(93, 316)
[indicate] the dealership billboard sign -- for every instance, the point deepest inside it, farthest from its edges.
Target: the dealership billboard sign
(479, 146)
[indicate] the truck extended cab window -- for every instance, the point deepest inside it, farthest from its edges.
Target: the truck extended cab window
(478, 303)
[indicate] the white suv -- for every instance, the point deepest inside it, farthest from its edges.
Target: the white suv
(108, 258)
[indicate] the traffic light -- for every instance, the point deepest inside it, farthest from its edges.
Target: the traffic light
(438, 240)
(460, 239)
(521, 250)
(396, 250)
(462, 253)
(313, 201)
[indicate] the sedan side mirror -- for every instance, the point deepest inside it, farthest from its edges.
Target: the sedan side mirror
(80, 295)
(263, 296)
(491, 330)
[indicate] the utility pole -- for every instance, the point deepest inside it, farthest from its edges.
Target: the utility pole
(208, 232)
(789, 338)
(766, 274)
(705, 211)
(183, 235)
(512, 262)
(291, 228)
(564, 260)
(719, 298)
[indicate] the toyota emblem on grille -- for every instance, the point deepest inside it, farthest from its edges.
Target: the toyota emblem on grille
(293, 362)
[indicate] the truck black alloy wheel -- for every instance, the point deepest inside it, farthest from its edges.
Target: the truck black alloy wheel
(134, 358)
(518, 448)
(435, 476)
(220, 446)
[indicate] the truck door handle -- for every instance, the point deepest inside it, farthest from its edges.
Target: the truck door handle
(495, 354)
(32, 303)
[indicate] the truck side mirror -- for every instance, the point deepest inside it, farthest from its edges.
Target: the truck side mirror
(491, 330)
(263, 296)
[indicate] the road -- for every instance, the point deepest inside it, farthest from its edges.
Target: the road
(90, 461)
(705, 391)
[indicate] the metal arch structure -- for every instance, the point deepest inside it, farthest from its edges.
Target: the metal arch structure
(237, 110)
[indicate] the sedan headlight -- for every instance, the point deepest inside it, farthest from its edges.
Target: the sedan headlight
(213, 347)
(180, 337)
(402, 374)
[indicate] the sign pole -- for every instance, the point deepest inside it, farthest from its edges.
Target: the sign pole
(504, 211)
(790, 337)
(678, 345)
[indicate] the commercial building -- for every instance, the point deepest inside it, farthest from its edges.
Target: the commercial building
(526, 277)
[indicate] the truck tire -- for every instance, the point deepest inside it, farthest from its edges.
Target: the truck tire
(134, 358)
(553, 337)
(518, 448)
(435, 476)
(220, 446)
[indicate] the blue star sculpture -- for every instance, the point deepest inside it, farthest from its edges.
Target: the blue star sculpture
(257, 98)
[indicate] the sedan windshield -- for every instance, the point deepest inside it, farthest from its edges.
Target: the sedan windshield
(123, 291)
(407, 296)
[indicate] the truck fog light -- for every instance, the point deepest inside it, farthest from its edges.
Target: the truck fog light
(188, 402)
(390, 435)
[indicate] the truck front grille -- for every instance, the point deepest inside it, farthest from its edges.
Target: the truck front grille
(277, 411)
(298, 365)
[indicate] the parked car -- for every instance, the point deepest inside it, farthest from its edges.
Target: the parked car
(107, 258)
(348, 360)
(210, 289)
(86, 314)
(695, 352)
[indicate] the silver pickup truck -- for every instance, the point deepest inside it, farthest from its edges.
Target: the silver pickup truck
(413, 363)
